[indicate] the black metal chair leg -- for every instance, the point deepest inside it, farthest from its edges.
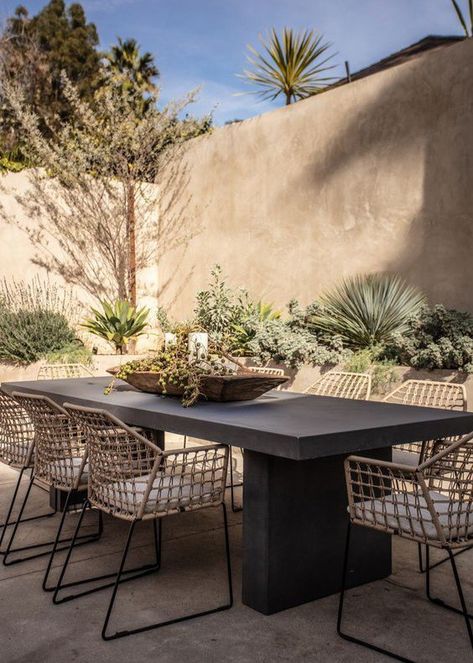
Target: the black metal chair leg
(9, 522)
(137, 572)
(345, 636)
(421, 561)
(122, 634)
(441, 561)
(461, 596)
(87, 538)
(55, 549)
(440, 602)
(69, 552)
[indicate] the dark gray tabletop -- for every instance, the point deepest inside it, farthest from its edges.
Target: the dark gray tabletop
(286, 424)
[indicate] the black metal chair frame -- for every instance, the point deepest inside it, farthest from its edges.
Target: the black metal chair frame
(8, 522)
(9, 550)
(136, 573)
(436, 601)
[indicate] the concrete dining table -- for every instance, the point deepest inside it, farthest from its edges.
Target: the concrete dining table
(295, 505)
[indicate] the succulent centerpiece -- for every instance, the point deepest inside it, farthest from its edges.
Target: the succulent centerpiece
(189, 367)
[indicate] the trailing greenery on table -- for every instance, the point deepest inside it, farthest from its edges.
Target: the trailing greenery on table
(175, 367)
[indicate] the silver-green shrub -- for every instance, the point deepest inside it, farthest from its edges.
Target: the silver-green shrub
(436, 338)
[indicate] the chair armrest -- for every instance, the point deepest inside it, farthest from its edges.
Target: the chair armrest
(408, 469)
(184, 450)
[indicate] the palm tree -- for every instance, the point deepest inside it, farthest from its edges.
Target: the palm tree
(293, 66)
(467, 27)
(136, 70)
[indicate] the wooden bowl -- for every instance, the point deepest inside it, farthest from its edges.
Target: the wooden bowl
(220, 388)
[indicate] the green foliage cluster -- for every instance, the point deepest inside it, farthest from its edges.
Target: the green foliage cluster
(436, 338)
(370, 323)
(35, 320)
(249, 328)
(118, 323)
(27, 336)
(74, 353)
(35, 50)
(9, 165)
(383, 371)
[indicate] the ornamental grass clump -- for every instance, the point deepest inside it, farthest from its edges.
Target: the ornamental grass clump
(36, 318)
(366, 311)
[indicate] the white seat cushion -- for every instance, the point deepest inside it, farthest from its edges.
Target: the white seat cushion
(69, 468)
(169, 492)
(402, 457)
(408, 514)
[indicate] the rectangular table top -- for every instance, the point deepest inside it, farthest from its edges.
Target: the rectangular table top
(287, 424)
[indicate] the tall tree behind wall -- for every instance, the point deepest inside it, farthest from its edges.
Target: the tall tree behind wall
(34, 50)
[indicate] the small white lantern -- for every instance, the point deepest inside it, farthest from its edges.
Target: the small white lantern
(198, 345)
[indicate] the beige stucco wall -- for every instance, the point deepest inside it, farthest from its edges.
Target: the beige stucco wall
(376, 175)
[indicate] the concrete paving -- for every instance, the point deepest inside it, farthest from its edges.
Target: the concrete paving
(393, 612)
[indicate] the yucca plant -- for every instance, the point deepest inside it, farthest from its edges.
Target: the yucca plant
(367, 310)
(466, 23)
(293, 65)
(118, 323)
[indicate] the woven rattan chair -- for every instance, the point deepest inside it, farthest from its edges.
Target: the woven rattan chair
(62, 371)
(267, 370)
(341, 384)
(132, 479)
(262, 370)
(425, 393)
(17, 451)
(60, 462)
(431, 504)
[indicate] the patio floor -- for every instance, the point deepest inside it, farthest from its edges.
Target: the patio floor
(393, 612)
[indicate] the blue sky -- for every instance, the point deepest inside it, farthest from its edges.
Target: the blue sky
(202, 42)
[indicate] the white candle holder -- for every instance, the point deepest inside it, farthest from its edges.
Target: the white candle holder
(198, 345)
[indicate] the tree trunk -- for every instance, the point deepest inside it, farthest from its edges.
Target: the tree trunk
(288, 98)
(131, 241)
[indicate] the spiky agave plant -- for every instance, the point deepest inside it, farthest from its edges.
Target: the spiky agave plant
(293, 65)
(367, 310)
(118, 323)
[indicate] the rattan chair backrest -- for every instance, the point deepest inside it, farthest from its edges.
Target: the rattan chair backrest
(342, 384)
(16, 433)
(60, 451)
(429, 393)
(61, 371)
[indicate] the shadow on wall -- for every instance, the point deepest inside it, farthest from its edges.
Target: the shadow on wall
(420, 120)
(175, 228)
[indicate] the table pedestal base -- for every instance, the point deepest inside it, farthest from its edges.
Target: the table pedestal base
(294, 527)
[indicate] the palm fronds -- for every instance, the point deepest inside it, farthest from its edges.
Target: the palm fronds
(293, 65)
(467, 27)
(367, 310)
